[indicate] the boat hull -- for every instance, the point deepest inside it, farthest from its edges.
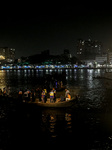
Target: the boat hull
(56, 104)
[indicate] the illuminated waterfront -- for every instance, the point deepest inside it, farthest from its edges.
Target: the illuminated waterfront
(86, 125)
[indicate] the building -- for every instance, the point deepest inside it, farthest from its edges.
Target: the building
(67, 53)
(109, 57)
(7, 54)
(101, 60)
(88, 49)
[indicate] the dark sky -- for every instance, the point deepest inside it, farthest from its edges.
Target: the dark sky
(32, 28)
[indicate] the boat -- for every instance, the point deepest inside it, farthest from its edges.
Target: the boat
(57, 104)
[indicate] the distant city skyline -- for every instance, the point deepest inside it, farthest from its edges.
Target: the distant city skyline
(61, 51)
(33, 29)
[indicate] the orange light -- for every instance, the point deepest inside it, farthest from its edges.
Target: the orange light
(2, 57)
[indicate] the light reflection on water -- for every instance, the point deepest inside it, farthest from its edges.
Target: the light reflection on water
(2, 79)
(90, 119)
(79, 81)
(55, 122)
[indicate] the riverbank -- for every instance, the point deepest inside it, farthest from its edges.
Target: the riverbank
(62, 68)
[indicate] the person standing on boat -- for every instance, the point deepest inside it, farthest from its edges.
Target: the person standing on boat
(43, 96)
(54, 90)
(1, 92)
(20, 95)
(51, 96)
(33, 95)
(4, 92)
(61, 84)
(45, 99)
(29, 94)
(26, 96)
(38, 93)
(8, 91)
(66, 93)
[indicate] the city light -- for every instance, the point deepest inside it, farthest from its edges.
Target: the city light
(2, 57)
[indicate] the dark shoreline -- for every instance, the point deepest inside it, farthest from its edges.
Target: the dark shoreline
(54, 68)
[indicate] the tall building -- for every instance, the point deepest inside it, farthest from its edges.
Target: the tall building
(67, 53)
(88, 49)
(7, 54)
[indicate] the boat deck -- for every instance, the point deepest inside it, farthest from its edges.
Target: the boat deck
(48, 101)
(58, 103)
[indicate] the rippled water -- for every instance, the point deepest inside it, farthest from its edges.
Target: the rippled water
(86, 125)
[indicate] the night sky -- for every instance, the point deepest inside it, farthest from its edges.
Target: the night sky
(32, 28)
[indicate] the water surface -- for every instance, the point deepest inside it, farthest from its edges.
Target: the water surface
(87, 124)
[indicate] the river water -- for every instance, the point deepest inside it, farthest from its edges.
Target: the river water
(86, 125)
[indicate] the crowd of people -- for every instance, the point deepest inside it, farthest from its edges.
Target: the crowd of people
(42, 95)
(39, 93)
(5, 92)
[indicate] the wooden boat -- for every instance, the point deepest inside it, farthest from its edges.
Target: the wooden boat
(57, 104)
